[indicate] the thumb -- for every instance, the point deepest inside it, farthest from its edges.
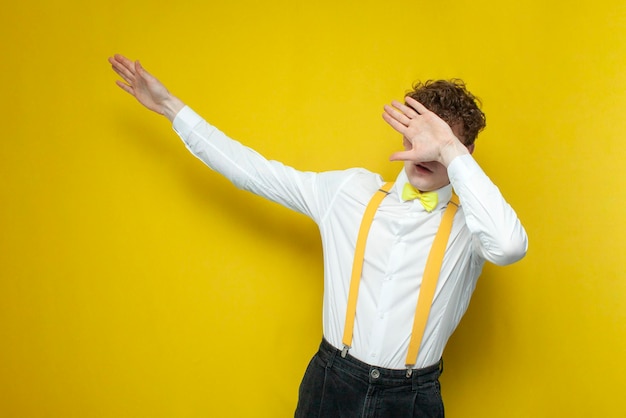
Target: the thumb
(142, 71)
(139, 69)
(400, 156)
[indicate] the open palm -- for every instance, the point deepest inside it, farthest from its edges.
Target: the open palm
(147, 89)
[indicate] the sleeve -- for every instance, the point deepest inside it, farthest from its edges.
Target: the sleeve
(497, 233)
(246, 168)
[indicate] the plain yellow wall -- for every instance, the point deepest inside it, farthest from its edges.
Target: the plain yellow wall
(134, 282)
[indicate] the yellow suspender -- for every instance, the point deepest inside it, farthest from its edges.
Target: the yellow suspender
(357, 264)
(429, 280)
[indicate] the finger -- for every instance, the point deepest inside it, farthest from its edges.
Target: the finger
(420, 108)
(123, 65)
(130, 79)
(128, 89)
(400, 156)
(124, 62)
(408, 111)
(123, 71)
(394, 123)
(396, 114)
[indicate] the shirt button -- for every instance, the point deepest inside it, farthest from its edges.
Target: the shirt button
(375, 374)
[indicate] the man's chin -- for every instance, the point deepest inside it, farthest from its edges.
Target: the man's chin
(427, 182)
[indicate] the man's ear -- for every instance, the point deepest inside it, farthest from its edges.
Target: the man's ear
(471, 148)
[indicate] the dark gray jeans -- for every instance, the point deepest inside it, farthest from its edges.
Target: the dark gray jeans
(336, 387)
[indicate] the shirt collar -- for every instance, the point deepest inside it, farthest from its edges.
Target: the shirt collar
(444, 193)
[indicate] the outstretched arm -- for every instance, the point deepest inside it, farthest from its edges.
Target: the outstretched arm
(149, 91)
(429, 137)
(244, 167)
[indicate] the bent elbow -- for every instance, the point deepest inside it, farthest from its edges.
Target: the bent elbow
(510, 251)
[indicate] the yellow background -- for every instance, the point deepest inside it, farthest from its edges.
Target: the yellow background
(134, 282)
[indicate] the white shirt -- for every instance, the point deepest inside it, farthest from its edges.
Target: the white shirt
(485, 228)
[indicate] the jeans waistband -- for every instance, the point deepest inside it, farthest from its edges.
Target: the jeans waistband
(375, 374)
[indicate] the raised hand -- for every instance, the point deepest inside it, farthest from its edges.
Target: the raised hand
(427, 137)
(149, 91)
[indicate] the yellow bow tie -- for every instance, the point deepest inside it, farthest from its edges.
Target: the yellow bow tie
(427, 199)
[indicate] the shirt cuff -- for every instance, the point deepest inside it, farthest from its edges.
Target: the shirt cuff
(462, 168)
(185, 121)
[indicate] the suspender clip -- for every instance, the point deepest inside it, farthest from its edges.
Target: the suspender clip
(409, 371)
(344, 352)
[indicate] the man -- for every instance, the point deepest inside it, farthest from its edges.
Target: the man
(364, 367)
